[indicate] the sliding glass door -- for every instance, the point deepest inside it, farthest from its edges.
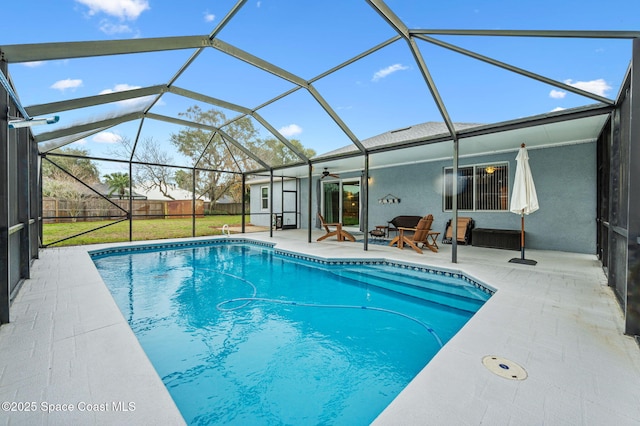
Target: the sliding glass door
(331, 201)
(351, 203)
(341, 202)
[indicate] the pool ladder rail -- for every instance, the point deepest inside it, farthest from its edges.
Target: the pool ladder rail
(225, 227)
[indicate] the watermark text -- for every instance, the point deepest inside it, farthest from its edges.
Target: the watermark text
(82, 406)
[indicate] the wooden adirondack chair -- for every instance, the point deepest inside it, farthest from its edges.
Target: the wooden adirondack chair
(422, 234)
(340, 233)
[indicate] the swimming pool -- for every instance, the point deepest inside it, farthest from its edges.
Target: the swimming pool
(241, 333)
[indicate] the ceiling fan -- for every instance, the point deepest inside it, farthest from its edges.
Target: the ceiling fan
(326, 173)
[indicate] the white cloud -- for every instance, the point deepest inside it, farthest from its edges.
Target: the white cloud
(209, 17)
(107, 137)
(557, 109)
(63, 85)
(110, 28)
(119, 88)
(33, 64)
(387, 71)
(557, 94)
(123, 9)
(599, 86)
(133, 103)
(290, 130)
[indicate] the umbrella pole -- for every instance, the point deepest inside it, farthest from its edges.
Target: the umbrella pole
(522, 236)
(522, 259)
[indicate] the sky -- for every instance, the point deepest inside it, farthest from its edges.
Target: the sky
(381, 92)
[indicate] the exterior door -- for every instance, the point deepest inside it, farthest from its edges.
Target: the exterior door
(351, 203)
(341, 202)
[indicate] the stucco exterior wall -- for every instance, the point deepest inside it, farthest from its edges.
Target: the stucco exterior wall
(565, 179)
(258, 216)
(261, 217)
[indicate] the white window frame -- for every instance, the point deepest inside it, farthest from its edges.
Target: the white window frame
(263, 198)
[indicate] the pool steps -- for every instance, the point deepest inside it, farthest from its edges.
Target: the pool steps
(440, 290)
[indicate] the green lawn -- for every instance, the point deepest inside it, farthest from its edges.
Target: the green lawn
(151, 229)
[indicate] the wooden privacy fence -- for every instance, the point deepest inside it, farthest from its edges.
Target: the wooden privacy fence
(183, 208)
(225, 208)
(56, 210)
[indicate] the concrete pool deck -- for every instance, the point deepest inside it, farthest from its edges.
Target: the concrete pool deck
(68, 343)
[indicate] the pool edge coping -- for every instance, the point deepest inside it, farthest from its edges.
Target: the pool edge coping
(435, 270)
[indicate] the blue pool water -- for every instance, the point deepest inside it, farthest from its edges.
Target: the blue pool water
(241, 334)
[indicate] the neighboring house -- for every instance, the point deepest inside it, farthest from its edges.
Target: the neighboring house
(104, 189)
(177, 194)
(564, 172)
(225, 199)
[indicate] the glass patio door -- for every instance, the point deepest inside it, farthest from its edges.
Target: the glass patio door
(341, 202)
(351, 204)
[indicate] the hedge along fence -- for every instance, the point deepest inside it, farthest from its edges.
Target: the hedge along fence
(89, 208)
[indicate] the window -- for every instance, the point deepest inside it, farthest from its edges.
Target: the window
(480, 187)
(264, 197)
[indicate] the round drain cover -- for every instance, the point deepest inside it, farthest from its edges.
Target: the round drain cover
(504, 368)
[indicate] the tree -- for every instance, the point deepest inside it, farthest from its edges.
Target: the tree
(275, 153)
(118, 182)
(183, 180)
(148, 175)
(213, 153)
(71, 196)
(218, 155)
(82, 168)
(68, 192)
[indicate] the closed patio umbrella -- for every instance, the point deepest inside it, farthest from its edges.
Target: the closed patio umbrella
(524, 199)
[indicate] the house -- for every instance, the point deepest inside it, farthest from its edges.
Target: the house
(562, 158)
(107, 192)
(285, 199)
(175, 192)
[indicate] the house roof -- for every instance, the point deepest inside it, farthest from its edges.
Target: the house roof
(400, 136)
(104, 189)
(426, 142)
(177, 194)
